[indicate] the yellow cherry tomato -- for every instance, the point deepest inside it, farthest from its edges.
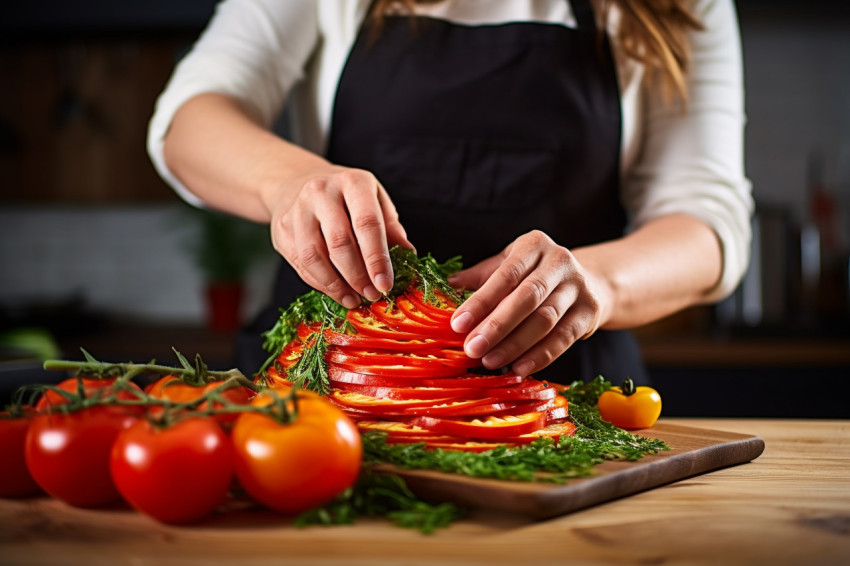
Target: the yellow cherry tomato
(630, 407)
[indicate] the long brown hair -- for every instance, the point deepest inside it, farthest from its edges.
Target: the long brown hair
(653, 32)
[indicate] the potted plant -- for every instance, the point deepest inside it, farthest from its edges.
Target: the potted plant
(224, 249)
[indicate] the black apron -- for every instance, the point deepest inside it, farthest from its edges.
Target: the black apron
(481, 134)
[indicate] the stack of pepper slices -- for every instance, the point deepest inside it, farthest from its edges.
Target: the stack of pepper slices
(397, 367)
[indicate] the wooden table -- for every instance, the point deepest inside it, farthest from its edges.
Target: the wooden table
(790, 506)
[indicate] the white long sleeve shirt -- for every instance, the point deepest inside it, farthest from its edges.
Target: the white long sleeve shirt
(267, 53)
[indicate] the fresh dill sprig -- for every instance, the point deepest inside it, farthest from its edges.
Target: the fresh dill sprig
(382, 495)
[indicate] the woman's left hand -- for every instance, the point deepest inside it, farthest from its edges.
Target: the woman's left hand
(532, 302)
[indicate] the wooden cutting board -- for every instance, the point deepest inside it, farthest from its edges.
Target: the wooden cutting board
(692, 451)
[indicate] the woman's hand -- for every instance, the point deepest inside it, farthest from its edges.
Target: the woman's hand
(532, 302)
(333, 225)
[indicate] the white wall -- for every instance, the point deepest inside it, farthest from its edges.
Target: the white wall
(127, 261)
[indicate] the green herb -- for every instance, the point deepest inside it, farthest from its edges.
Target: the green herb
(424, 272)
(382, 495)
(311, 371)
(594, 442)
(310, 307)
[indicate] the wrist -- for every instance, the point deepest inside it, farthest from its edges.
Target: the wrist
(600, 284)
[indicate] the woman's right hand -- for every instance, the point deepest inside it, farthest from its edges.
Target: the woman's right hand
(334, 225)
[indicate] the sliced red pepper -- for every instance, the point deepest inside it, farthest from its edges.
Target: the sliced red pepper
(365, 342)
(400, 370)
(413, 311)
(454, 393)
(424, 359)
(554, 431)
(473, 380)
(490, 428)
(396, 319)
(377, 406)
(529, 390)
(470, 407)
(442, 311)
(557, 415)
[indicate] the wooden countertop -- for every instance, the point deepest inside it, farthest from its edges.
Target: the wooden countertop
(790, 506)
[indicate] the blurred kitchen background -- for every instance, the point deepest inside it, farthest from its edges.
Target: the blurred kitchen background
(97, 252)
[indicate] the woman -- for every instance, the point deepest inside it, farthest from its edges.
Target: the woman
(583, 156)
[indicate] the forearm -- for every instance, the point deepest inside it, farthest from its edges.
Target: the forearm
(231, 162)
(666, 265)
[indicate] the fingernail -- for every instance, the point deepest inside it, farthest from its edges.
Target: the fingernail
(384, 282)
(463, 323)
(371, 293)
(350, 302)
(493, 360)
(523, 367)
(477, 347)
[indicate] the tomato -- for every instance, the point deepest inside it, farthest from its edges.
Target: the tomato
(630, 407)
(297, 466)
(171, 388)
(176, 474)
(15, 478)
(68, 454)
(92, 387)
(490, 427)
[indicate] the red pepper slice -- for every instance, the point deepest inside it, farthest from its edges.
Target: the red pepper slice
(490, 428)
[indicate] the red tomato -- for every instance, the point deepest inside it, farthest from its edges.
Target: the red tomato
(297, 466)
(15, 478)
(68, 455)
(177, 474)
(170, 388)
(92, 387)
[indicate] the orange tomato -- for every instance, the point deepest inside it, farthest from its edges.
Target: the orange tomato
(170, 388)
(630, 407)
(293, 467)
